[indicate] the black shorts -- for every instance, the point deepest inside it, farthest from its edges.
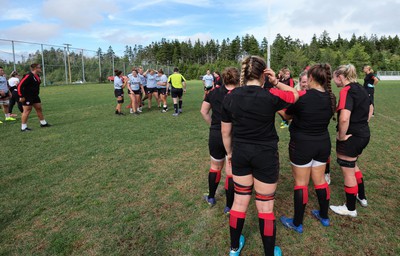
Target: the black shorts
(215, 145)
(176, 93)
(29, 101)
(302, 152)
(352, 147)
(162, 91)
(207, 88)
(259, 160)
(135, 92)
(118, 93)
(151, 90)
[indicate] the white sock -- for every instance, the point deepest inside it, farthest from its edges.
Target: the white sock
(24, 126)
(43, 122)
(7, 115)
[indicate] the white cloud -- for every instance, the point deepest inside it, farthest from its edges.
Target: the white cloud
(78, 14)
(18, 14)
(145, 4)
(34, 31)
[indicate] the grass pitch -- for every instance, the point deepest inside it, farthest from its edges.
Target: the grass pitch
(99, 184)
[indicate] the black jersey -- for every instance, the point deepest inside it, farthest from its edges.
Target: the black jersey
(251, 110)
(354, 98)
(29, 86)
(369, 81)
(311, 116)
(215, 97)
(218, 80)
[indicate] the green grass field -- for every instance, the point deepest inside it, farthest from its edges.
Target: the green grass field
(99, 184)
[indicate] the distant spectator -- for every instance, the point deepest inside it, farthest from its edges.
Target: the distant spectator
(5, 95)
(370, 81)
(13, 83)
(208, 81)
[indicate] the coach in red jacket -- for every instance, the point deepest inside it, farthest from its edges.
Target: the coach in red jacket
(28, 91)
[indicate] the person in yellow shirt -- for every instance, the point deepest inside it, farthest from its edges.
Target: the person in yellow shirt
(178, 86)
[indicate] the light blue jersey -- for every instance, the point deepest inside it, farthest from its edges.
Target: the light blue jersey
(162, 79)
(118, 83)
(208, 81)
(135, 82)
(143, 79)
(151, 81)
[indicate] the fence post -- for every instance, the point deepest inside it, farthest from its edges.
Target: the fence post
(65, 65)
(13, 50)
(99, 67)
(83, 69)
(43, 67)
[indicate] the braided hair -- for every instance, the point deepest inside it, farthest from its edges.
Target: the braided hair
(252, 69)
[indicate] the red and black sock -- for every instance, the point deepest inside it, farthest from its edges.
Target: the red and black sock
(360, 183)
(351, 193)
(236, 223)
(323, 195)
(300, 202)
(229, 191)
(214, 176)
(267, 226)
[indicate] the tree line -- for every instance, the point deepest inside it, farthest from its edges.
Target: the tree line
(194, 58)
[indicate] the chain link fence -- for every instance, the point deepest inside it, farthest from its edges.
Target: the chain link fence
(63, 64)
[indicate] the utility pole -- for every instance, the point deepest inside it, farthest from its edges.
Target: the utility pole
(69, 63)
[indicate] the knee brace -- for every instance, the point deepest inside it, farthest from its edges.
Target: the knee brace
(120, 101)
(243, 190)
(345, 163)
(265, 198)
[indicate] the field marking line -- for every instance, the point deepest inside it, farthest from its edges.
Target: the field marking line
(387, 117)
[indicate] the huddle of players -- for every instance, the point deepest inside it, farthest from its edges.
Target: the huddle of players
(242, 121)
(141, 85)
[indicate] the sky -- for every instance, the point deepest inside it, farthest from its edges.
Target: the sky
(93, 24)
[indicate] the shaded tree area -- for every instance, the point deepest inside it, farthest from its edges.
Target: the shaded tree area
(194, 58)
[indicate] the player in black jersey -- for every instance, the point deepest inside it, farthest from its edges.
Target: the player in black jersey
(353, 134)
(213, 101)
(310, 144)
(251, 143)
(370, 81)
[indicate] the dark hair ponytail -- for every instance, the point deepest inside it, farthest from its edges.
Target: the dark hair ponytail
(322, 74)
(117, 72)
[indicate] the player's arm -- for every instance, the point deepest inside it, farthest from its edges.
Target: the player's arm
(343, 125)
(281, 86)
(226, 130)
(205, 112)
(184, 84)
(376, 80)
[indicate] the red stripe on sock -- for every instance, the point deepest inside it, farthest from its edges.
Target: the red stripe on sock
(359, 177)
(305, 193)
(268, 223)
(218, 172)
(351, 190)
(234, 216)
(324, 186)
(227, 181)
